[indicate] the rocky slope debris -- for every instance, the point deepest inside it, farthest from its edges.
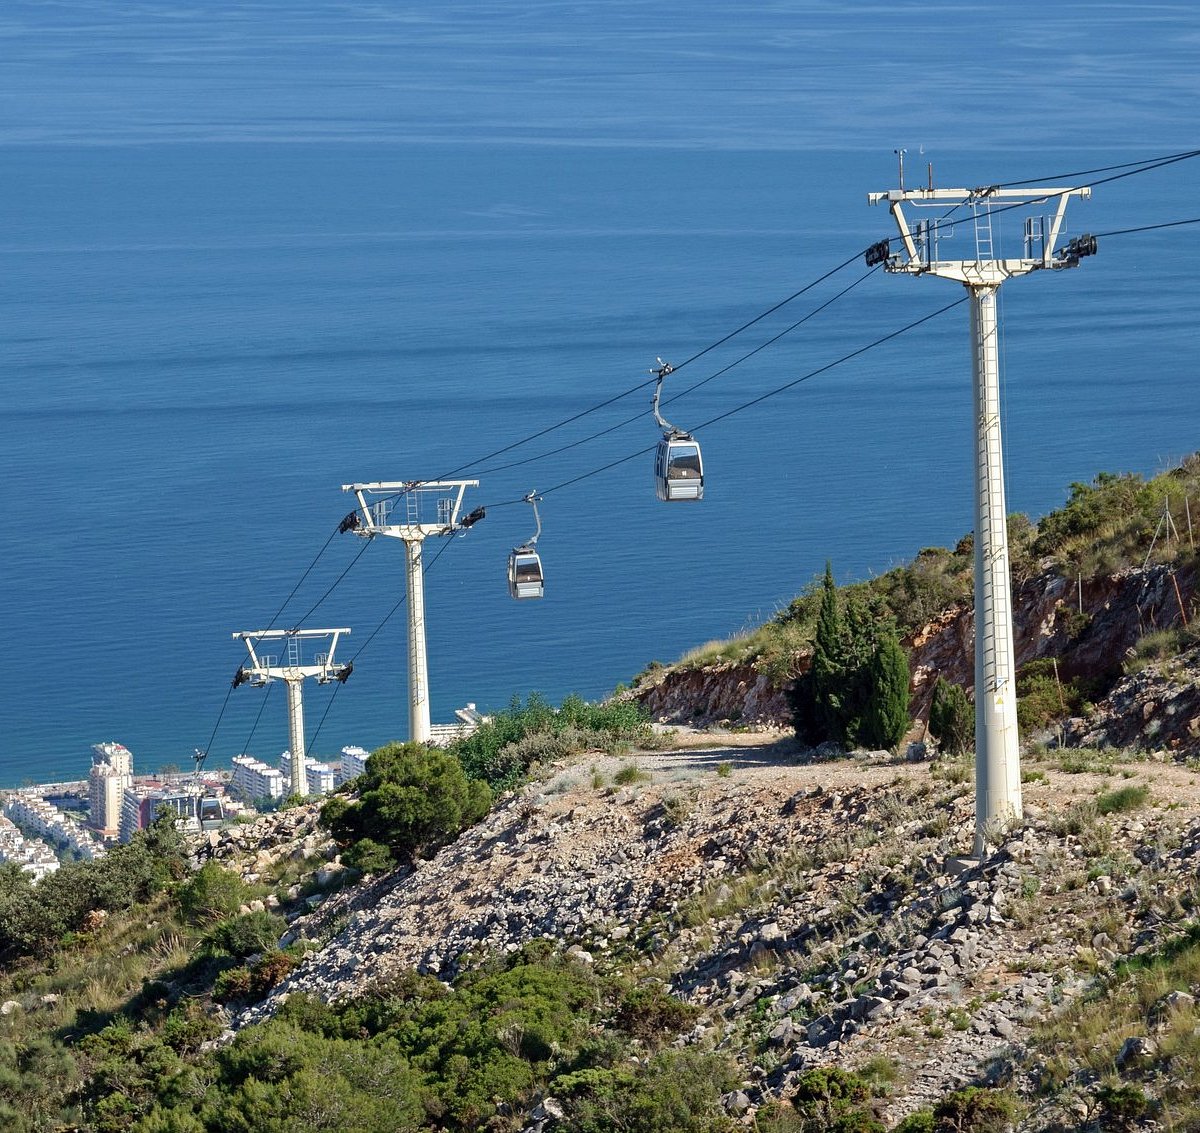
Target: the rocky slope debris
(816, 913)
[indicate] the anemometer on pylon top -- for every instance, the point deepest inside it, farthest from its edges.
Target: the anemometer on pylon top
(997, 753)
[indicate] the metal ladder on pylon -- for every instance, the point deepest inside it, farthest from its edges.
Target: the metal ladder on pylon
(982, 213)
(994, 518)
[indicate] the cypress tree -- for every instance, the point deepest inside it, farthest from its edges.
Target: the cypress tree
(857, 681)
(952, 718)
(827, 663)
(886, 717)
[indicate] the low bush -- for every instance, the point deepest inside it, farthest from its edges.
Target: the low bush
(212, 894)
(650, 1011)
(976, 1110)
(502, 751)
(246, 934)
(1122, 799)
(252, 983)
(1158, 646)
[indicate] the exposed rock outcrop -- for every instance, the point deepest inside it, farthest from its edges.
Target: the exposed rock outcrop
(1117, 610)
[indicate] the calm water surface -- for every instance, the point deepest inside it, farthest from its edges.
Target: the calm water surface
(253, 254)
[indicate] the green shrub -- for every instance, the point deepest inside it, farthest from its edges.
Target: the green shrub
(414, 800)
(676, 1090)
(254, 982)
(1125, 1103)
(952, 718)
(246, 934)
(369, 856)
(650, 1012)
(502, 751)
(1122, 799)
(975, 1110)
(211, 894)
(1043, 697)
(922, 1121)
(836, 1100)
(1158, 646)
(628, 774)
(1117, 508)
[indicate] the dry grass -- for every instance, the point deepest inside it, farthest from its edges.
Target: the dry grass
(1082, 1044)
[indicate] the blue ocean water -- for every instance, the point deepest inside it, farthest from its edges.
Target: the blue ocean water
(253, 252)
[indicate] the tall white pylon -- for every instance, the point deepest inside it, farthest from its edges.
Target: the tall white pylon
(411, 510)
(997, 750)
(292, 669)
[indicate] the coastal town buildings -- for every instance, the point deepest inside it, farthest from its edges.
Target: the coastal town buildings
(34, 815)
(31, 855)
(353, 764)
(252, 779)
(111, 773)
(320, 776)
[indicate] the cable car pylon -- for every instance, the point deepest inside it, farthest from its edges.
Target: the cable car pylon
(292, 669)
(997, 750)
(412, 510)
(678, 464)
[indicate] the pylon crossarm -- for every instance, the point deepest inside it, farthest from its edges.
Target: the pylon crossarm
(263, 668)
(920, 247)
(401, 508)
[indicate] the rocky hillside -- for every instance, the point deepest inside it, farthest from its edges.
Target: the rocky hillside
(1089, 628)
(816, 913)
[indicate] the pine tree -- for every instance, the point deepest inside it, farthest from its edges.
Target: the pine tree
(886, 718)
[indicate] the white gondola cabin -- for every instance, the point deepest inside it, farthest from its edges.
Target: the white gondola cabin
(679, 468)
(525, 578)
(678, 465)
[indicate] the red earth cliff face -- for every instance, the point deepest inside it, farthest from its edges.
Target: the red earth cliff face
(1117, 611)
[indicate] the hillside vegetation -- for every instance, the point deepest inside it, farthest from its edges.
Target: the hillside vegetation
(1114, 523)
(565, 925)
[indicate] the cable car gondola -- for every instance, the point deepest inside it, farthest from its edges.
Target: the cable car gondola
(525, 577)
(678, 464)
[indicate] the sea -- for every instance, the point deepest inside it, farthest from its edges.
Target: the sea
(252, 252)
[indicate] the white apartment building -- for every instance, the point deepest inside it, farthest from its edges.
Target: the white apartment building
(353, 764)
(115, 755)
(320, 776)
(253, 780)
(31, 812)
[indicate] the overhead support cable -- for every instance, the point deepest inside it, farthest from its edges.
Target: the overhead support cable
(683, 393)
(769, 394)
(426, 568)
(1148, 227)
